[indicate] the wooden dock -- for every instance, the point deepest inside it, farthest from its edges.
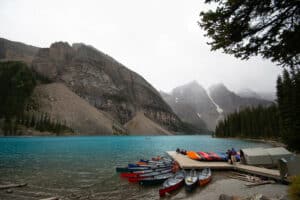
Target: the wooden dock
(187, 163)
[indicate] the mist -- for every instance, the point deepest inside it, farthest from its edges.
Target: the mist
(160, 40)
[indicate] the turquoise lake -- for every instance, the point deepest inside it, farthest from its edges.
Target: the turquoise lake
(78, 167)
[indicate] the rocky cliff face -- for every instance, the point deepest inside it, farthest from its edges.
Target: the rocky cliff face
(103, 82)
(192, 104)
(231, 102)
(16, 51)
(63, 105)
(142, 125)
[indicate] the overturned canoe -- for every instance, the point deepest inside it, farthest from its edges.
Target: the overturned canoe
(193, 155)
(207, 156)
(172, 183)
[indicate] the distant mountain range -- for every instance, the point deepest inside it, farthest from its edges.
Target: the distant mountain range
(246, 92)
(204, 108)
(92, 92)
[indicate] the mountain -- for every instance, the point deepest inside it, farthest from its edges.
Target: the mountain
(248, 93)
(98, 79)
(193, 105)
(77, 113)
(16, 51)
(142, 125)
(270, 96)
(230, 102)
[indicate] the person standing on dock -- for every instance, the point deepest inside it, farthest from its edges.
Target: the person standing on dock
(233, 155)
(229, 155)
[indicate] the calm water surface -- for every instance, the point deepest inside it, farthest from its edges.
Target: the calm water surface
(84, 167)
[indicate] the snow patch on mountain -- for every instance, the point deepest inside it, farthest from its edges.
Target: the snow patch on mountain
(199, 115)
(219, 109)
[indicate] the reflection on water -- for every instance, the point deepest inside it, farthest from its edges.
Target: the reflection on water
(83, 167)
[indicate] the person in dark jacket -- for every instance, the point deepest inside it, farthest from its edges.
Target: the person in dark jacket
(233, 155)
(229, 155)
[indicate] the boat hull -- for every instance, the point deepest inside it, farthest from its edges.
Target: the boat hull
(191, 181)
(204, 182)
(155, 180)
(191, 187)
(204, 177)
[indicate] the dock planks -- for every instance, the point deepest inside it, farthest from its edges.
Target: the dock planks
(187, 163)
(271, 173)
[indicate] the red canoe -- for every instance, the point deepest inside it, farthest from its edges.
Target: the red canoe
(147, 175)
(204, 177)
(172, 183)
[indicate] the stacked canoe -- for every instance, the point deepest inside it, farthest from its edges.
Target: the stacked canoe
(148, 172)
(166, 171)
(209, 156)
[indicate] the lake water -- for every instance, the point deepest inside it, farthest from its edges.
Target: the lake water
(84, 167)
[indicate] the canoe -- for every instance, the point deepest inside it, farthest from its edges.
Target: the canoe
(215, 156)
(156, 179)
(149, 165)
(148, 175)
(193, 155)
(138, 173)
(212, 156)
(191, 180)
(134, 167)
(223, 156)
(205, 156)
(131, 169)
(204, 177)
(172, 183)
(155, 173)
(141, 163)
(158, 161)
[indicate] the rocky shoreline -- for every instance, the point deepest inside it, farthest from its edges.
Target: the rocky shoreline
(274, 143)
(221, 187)
(224, 188)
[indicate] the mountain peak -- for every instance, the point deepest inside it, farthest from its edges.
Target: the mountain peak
(192, 86)
(248, 93)
(60, 44)
(218, 86)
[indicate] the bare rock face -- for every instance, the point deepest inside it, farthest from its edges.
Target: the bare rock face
(230, 102)
(103, 82)
(192, 104)
(16, 51)
(62, 104)
(142, 125)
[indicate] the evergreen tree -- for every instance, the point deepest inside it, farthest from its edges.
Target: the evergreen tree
(32, 122)
(289, 107)
(256, 122)
(248, 28)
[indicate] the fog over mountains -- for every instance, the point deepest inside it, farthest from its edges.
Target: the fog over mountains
(204, 108)
(113, 99)
(92, 92)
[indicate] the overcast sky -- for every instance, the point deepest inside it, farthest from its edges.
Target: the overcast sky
(159, 39)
